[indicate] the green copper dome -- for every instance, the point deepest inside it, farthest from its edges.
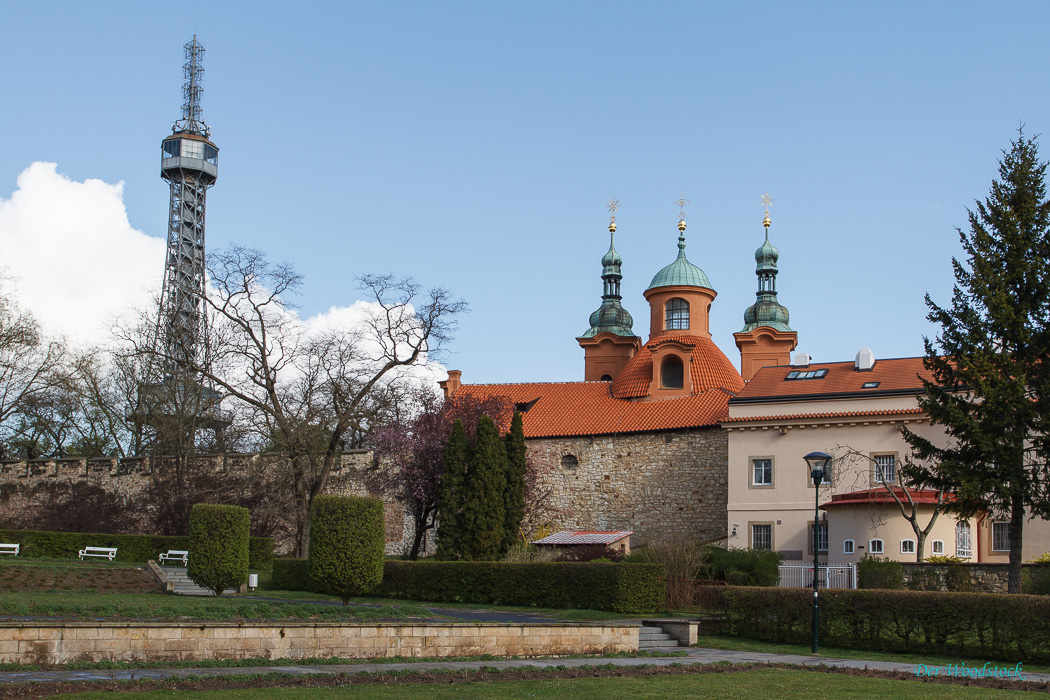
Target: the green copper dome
(681, 272)
(611, 317)
(766, 312)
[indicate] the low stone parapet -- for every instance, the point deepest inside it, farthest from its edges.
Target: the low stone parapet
(64, 642)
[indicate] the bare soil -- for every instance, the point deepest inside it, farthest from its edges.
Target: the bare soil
(32, 579)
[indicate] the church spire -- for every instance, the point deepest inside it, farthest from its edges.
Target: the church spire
(611, 317)
(766, 311)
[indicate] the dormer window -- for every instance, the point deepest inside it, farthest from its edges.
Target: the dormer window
(677, 315)
(672, 372)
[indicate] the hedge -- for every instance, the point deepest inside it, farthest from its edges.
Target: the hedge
(347, 537)
(978, 625)
(623, 588)
(743, 567)
(136, 549)
(218, 546)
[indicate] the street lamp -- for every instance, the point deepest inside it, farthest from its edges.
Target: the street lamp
(818, 464)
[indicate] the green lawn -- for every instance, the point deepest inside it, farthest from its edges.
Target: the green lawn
(746, 685)
(744, 644)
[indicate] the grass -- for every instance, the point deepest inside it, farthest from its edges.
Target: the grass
(67, 605)
(744, 644)
(744, 685)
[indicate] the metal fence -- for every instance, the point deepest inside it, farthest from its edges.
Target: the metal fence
(831, 576)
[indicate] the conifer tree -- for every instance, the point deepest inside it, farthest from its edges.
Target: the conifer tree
(514, 491)
(989, 361)
(482, 517)
(450, 496)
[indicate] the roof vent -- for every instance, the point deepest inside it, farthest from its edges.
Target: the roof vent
(865, 360)
(801, 359)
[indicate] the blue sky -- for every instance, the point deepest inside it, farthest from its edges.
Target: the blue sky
(474, 146)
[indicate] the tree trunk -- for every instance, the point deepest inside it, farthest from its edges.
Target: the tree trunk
(1013, 579)
(920, 546)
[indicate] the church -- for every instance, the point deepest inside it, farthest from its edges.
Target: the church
(638, 445)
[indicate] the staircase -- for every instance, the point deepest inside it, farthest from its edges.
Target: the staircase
(182, 585)
(654, 638)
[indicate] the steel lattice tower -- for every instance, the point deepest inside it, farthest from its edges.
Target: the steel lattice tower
(189, 164)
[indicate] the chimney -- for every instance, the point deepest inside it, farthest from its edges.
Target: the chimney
(451, 385)
(801, 359)
(865, 360)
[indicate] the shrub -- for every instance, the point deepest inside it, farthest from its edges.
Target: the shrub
(293, 575)
(218, 546)
(347, 538)
(1038, 580)
(876, 572)
(622, 588)
(524, 552)
(683, 557)
(942, 559)
(957, 578)
(42, 544)
(752, 567)
(977, 625)
(587, 552)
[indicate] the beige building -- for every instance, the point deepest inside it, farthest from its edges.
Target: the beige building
(853, 411)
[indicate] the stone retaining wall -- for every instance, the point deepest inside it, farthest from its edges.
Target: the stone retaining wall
(983, 578)
(64, 642)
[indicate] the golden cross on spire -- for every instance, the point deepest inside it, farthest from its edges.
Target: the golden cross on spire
(766, 201)
(680, 203)
(613, 206)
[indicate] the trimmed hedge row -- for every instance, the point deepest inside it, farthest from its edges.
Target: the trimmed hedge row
(41, 544)
(979, 625)
(624, 588)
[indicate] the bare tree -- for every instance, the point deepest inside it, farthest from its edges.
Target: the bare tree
(861, 464)
(306, 391)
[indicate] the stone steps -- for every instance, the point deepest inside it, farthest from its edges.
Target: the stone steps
(182, 585)
(655, 638)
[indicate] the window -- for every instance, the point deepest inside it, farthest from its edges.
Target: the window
(1000, 537)
(938, 547)
(171, 148)
(211, 154)
(885, 469)
(569, 462)
(677, 318)
(606, 378)
(847, 546)
(672, 372)
(875, 546)
(806, 374)
(963, 540)
(762, 537)
(822, 537)
(762, 472)
(870, 385)
(907, 546)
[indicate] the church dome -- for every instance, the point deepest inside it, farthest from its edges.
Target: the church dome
(766, 256)
(610, 317)
(681, 272)
(766, 311)
(708, 367)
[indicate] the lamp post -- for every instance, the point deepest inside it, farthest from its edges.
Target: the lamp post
(818, 464)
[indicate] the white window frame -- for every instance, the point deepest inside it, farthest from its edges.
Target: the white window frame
(848, 546)
(1003, 530)
(937, 548)
(825, 540)
(907, 546)
(763, 485)
(963, 540)
(872, 549)
(878, 473)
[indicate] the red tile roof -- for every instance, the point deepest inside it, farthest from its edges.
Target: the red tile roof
(893, 375)
(585, 537)
(588, 408)
(880, 495)
(709, 369)
(838, 414)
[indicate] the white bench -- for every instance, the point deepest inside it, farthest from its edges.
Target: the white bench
(175, 555)
(107, 552)
(10, 549)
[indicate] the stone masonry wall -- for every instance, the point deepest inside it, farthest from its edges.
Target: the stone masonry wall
(660, 485)
(64, 642)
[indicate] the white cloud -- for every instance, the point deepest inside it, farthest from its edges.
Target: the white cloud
(77, 262)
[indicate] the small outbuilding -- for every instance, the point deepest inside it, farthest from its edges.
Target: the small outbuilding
(618, 540)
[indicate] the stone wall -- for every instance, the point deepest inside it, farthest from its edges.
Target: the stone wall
(983, 578)
(65, 642)
(130, 478)
(659, 485)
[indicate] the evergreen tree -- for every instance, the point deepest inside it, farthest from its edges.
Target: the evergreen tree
(989, 361)
(482, 518)
(514, 491)
(450, 495)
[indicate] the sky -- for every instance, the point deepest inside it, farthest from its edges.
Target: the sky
(474, 146)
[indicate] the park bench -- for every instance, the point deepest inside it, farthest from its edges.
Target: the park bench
(10, 549)
(175, 555)
(107, 552)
